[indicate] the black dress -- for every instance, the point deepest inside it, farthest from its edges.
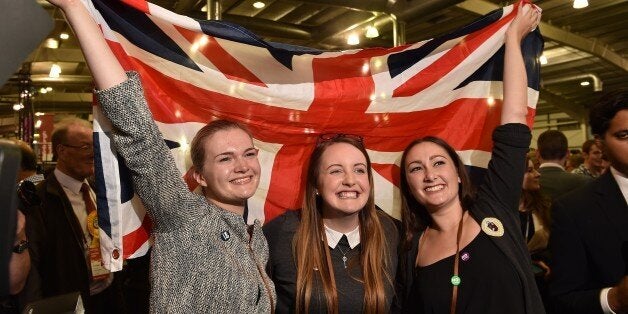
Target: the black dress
(503, 282)
(503, 295)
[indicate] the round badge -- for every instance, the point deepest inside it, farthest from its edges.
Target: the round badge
(455, 280)
(115, 254)
(493, 227)
(465, 256)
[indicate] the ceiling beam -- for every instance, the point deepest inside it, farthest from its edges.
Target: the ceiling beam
(576, 112)
(592, 46)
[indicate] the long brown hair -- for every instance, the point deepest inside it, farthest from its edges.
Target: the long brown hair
(534, 201)
(414, 215)
(312, 254)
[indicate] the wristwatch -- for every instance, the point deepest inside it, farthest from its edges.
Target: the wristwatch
(20, 247)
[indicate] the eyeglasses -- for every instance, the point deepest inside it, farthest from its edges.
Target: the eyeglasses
(330, 137)
(81, 147)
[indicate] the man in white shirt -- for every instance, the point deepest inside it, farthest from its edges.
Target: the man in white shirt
(63, 235)
(590, 225)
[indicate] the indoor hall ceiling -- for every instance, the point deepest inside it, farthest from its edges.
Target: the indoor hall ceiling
(581, 45)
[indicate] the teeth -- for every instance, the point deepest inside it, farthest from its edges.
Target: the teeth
(434, 188)
(348, 194)
(241, 180)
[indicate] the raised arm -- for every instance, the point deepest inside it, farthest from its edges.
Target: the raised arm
(137, 138)
(515, 79)
(104, 66)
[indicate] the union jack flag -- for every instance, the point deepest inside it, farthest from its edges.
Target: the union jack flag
(196, 71)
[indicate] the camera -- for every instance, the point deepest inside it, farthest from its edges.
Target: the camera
(27, 197)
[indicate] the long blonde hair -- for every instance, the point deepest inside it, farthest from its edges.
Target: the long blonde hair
(313, 259)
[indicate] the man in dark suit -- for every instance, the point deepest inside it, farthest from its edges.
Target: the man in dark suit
(61, 236)
(552, 152)
(591, 225)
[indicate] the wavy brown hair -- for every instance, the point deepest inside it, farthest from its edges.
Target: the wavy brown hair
(414, 215)
(312, 253)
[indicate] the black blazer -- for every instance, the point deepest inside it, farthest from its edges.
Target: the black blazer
(589, 226)
(58, 263)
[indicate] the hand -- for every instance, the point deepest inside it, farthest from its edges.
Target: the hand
(618, 296)
(544, 267)
(527, 19)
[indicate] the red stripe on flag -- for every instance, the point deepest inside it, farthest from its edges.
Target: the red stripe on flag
(131, 242)
(388, 171)
(141, 5)
(220, 58)
(448, 61)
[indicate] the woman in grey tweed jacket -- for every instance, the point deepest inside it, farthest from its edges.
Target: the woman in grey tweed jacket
(205, 259)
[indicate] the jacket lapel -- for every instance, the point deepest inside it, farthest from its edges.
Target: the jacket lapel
(55, 188)
(612, 204)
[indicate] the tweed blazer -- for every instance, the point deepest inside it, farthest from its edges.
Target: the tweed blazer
(203, 260)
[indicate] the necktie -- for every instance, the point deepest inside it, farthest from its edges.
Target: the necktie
(89, 203)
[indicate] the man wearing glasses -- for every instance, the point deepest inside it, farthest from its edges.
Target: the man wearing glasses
(64, 233)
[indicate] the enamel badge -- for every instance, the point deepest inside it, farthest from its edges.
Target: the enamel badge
(493, 227)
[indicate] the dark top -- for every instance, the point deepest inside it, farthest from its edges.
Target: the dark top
(282, 267)
(479, 258)
(588, 231)
(498, 197)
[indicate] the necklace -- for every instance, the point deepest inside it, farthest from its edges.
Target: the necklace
(344, 255)
(455, 278)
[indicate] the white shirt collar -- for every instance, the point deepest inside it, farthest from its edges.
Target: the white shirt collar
(333, 237)
(622, 181)
(551, 164)
(68, 182)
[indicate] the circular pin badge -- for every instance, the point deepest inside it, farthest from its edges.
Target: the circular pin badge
(455, 280)
(225, 235)
(493, 227)
(465, 256)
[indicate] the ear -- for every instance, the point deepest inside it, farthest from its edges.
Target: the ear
(199, 178)
(459, 181)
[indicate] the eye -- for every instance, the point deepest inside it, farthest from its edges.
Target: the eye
(415, 169)
(335, 171)
(360, 170)
(439, 163)
(622, 135)
(224, 159)
(251, 154)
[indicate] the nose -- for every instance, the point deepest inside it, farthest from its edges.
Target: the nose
(429, 175)
(241, 165)
(349, 179)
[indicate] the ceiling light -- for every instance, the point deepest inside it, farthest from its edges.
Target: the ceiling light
(49, 89)
(17, 107)
(543, 59)
(55, 70)
(52, 43)
(64, 36)
(259, 4)
(371, 32)
(579, 4)
(204, 8)
(39, 114)
(585, 83)
(43, 90)
(353, 40)
(37, 124)
(490, 100)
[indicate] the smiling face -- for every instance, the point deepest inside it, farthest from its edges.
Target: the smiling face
(343, 180)
(531, 178)
(432, 176)
(594, 157)
(230, 172)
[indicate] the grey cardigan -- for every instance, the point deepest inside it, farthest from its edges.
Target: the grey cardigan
(202, 259)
